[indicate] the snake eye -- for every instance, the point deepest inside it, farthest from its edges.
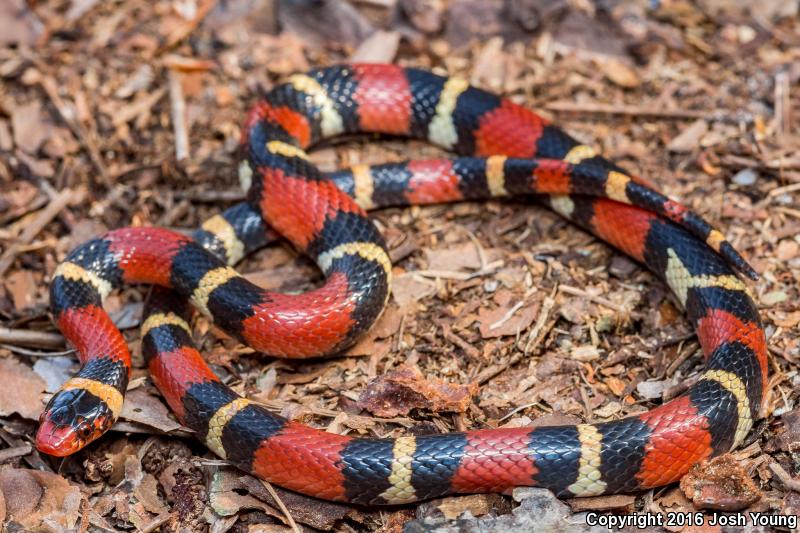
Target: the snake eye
(85, 432)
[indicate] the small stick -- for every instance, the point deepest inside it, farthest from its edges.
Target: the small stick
(137, 108)
(42, 219)
(27, 337)
(674, 340)
(461, 343)
(32, 353)
(788, 211)
(609, 109)
(225, 195)
(481, 252)
(506, 317)
(281, 505)
(14, 214)
(788, 481)
(16, 451)
(156, 522)
(460, 276)
(781, 190)
(51, 89)
(783, 106)
(683, 355)
(782, 353)
(541, 320)
(178, 114)
(596, 299)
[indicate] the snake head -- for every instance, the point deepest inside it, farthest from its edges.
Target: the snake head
(73, 418)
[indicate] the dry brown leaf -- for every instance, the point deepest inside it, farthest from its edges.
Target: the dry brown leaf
(26, 397)
(510, 319)
(31, 126)
(616, 385)
(369, 346)
(225, 494)
(405, 388)
(18, 23)
(144, 408)
(454, 258)
(147, 493)
(477, 505)
(787, 249)
(407, 289)
(786, 320)
(619, 72)
(424, 15)
(720, 483)
(36, 499)
(22, 287)
(789, 440)
(689, 138)
(380, 47)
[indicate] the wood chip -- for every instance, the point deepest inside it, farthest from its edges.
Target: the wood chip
(689, 138)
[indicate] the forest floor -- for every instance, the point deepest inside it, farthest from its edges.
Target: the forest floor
(503, 314)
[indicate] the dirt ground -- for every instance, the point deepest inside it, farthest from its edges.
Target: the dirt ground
(503, 314)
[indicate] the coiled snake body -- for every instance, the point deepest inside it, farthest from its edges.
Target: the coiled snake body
(504, 150)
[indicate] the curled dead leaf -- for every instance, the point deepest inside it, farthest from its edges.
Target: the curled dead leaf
(720, 483)
(405, 388)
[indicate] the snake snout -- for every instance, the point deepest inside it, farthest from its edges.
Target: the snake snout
(72, 419)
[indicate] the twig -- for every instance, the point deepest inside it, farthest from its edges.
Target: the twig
(628, 110)
(42, 219)
(32, 458)
(32, 353)
(281, 505)
(782, 353)
(27, 337)
(16, 451)
(507, 316)
(460, 276)
(783, 106)
(672, 341)
(788, 211)
(399, 336)
(683, 355)
(14, 214)
(781, 162)
(575, 291)
(51, 89)
(183, 31)
(224, 195)
(544, 314)
(470, 350)
(137, 108)
(777, 191)
(156, 522)
(518, 409)
(481, 252)
(178, 115)
(788, 481)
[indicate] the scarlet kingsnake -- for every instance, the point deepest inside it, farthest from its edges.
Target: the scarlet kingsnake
(506, 150)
